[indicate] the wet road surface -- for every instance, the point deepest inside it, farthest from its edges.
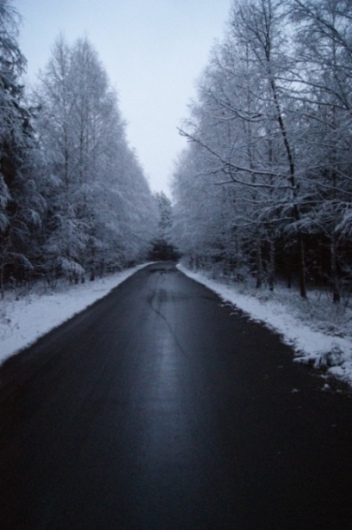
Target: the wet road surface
(161, 408)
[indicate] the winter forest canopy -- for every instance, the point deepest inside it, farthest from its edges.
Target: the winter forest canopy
(262, 190)
(73, 197)
(265, 185)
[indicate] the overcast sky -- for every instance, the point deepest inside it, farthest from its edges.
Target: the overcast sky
(153, 52)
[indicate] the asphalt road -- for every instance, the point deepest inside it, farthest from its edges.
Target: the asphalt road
(161, 408)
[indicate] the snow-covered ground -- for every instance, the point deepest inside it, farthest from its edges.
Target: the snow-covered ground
(319, 331)
(24, 320)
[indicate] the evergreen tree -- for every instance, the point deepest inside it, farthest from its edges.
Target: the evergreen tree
(21, 204)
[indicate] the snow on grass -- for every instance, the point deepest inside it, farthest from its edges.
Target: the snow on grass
(24, 320)
(319, 331)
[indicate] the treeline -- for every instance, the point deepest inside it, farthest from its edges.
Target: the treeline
(265, 185)
(74, 201)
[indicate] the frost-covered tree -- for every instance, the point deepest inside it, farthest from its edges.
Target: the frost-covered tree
(202, 212)
(162, 244)
(239, 122)
(20, 201)
(272, 124)
(324, 46)
(98, 198)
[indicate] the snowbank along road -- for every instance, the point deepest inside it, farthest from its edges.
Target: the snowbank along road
(160, 408)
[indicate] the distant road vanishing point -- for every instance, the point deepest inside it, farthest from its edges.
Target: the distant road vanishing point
(161, 408)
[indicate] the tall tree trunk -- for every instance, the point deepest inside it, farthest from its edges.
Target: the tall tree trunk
(334, 275)
(2, 279)
(302, 272)
(293, 183)
(259, 265)
(271, 271)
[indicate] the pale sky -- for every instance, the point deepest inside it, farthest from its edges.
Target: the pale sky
(153, 52)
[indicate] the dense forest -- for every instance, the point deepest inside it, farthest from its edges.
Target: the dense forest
(74, 201)
(264, 186)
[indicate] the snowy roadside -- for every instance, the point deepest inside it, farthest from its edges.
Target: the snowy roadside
(319, 348)
(23, 321)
